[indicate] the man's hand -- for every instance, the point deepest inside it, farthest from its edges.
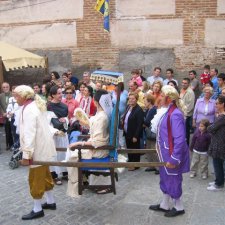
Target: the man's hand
(169, 165)
(134, 140)
(25, 162)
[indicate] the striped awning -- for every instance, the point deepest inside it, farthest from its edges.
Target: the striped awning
(107, 76)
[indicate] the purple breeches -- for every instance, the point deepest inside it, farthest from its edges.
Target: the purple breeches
(170, 184)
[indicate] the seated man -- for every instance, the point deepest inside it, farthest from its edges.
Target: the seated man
(99, 136)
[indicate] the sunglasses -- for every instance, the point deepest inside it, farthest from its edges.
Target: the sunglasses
(69, 92)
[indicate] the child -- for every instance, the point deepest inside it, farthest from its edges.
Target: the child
(200, 144)
(136, 77)
(205, 77)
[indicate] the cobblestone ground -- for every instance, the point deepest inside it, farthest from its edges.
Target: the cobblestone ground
(135, 192)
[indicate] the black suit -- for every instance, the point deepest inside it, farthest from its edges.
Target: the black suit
(134, 130)
(4, 100)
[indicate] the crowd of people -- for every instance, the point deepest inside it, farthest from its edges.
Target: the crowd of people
(155, 113)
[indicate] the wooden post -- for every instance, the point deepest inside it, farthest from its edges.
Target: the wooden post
(1, 71)
(46, 65)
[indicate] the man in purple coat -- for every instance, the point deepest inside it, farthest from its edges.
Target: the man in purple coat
(173, 150)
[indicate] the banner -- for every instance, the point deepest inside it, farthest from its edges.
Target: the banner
(102, 6)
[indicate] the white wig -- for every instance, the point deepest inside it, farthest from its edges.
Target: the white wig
(172, 93)
(27, 93)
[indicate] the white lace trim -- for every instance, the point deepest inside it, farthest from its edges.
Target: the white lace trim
(155, 121)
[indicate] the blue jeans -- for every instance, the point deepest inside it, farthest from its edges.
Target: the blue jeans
(219, 172)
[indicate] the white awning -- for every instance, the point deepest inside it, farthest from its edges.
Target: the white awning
(16, 58)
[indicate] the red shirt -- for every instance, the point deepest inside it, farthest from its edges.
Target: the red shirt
(205, 78)
(72, 105)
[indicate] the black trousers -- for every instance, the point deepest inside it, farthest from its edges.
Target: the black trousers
(219, 171)
(188, 124)
(8, 134)
(131, 145)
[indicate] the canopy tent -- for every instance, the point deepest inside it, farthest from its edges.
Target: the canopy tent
(107, 76)
(17, 58)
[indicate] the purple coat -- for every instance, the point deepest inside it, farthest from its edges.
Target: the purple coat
(180, 155)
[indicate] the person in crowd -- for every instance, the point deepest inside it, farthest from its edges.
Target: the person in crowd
(188, 97)
(99, 136)
(72, 78)
(122, 109)
(223, 91)
(37, 88)
(205, 76)
(87, 80)
(200, 146)
(221, 82)
(4, 100)
(169, 77)
(150, 112)
(12, 110)
(174, 84)
(173, 150)
(43, 92)
(65, 78)
(87, 101)
(58, 119)
(210, 84)
(145, 87)
(71, 103)
(156, 91)
(98, 85)
(194, 84)
(204, 108)
(141, 75)
(133, 87)
(37, 144)
(213, 75)
(217, 146)
(135, 77)
(156, 76)
(80, 92)
(133, 127)
(55, 77)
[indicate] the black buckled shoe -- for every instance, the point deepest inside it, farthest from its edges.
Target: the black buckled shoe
(158, 208)
(173, 212)
(49, 206)
(33, 215)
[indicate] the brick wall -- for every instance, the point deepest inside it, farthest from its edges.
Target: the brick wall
(95, 48)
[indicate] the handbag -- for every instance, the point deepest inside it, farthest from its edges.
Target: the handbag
(57, 124)
(149, 134)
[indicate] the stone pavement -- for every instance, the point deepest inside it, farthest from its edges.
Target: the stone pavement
(135, 192)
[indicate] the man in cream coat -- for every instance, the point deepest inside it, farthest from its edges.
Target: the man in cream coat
(36, 144)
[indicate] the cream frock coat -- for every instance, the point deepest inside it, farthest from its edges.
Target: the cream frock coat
(36, 139)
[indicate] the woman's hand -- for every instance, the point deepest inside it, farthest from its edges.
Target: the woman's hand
(63, 119)
(169, 165)
(134, 140)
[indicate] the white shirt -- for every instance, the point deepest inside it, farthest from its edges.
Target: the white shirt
(152, 79)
